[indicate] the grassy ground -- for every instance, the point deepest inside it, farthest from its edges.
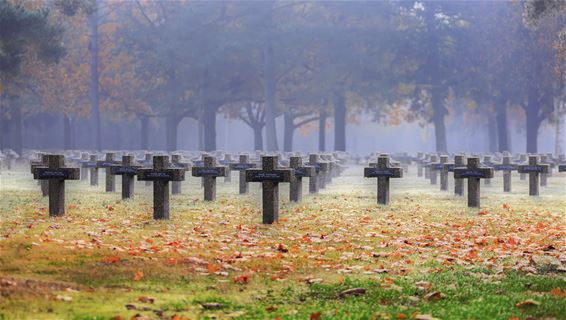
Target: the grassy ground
(336, 255)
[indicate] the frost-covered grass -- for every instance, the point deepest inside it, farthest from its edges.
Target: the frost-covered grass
(218, 260)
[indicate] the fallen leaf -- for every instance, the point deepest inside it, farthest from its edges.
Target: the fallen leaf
(423, 285)
(433, 296)
(138, 275)
(527, 303)
(352, 292)
(425, 317)
(143, 299)
(315, 316)
(212, 306)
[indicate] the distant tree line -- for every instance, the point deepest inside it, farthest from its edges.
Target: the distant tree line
(311, 63)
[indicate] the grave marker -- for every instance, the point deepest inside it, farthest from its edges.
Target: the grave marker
(523, 160)
(209, 172)
(108, 163)
(160, 175)
(243, 165)
(487, 163)
(533, 169)
(507, 167)
(92, 166)
(227, 162)
(473, 172)
(56, 173)
(383, 172)
(270, 176)
(459, 183)
(178, 164)
(127, 170)
(84, 170)
(296, 182)
(42, 163)
(321, 168)
(445, 167)
(433, 167)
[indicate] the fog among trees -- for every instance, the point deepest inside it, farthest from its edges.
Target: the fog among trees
(357, 76)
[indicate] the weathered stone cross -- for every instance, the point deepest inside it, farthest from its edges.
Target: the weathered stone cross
(296, 182)
(209, 172)
(161, 174)
(458, 183)
(533, 169)
(242, 166)
(270, 176)
(383, 172)
(56, 173)
(42, 163)
(444, 168)
(321, 167)
(473, 172)
(108, 163)
(433, 167)
(176, 162)
(506, 166)
(127, 170)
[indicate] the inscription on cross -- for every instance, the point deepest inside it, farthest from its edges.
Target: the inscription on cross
(127, 170)
(383, 172)
(321, 168)
(56, 173)
(160, 175)
(243, 165)
(534, 169)
(270, 176)
(296, 182)
(108, 163)
(473, 172)
(209, 171)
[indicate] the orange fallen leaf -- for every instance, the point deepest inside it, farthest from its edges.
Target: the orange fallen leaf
(483, 213)
(138, 275)
(112, 259)
(557, 292)
(527, 303)
(315, 316)
(506, 206)
(171, 262)
(242, 279)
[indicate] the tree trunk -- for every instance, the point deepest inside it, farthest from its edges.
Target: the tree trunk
(322, 131)
(339, 122)
(532, 122)
(492, 133)
(171, 125)
(258, 137)
(17, 119)
(288, 133)
(502, 130)
(67, 132)
(94, 77)
(270, 88)
(209, 127)
(144, 132)
(439, 111)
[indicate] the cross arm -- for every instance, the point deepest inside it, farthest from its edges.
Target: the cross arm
(528, 168)
(391, 172)
(483, 173)
(259, 175)
(212, 171)
(145, 174)
(44, 173)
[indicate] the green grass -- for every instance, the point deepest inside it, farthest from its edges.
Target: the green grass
(216, 260)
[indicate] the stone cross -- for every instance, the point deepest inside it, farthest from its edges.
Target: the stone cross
(242, 166)
(383, 172)
(433, 167)
(84, 170)
(506, 166)
(92, 166)
(178, 164)
(56, 173)
(161, 174)
(459, 183)
(270, 176)
(523, 160)
(444, 168)
(487, 163)
(127, 170)
(544, 175)
(108, 163)
(561, 167)
(296, 182)
(209, 171)
(148, 163)
(42, 163)
(321, 168)
(227, 162)
(420, 156)
(473, 172)
(533, 169)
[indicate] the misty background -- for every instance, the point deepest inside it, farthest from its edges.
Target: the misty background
(361, 76)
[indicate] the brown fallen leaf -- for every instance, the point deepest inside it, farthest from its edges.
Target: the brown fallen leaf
(433, 296)
(143, 299)
(352, 292)
(212, 306)
(315, 316)
(527, 303)
(423, 285)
